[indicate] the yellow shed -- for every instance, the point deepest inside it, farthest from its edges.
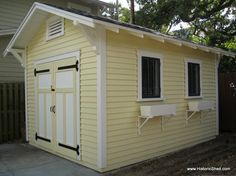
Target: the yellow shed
(106, 94)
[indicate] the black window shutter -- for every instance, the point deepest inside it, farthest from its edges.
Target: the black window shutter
(194, 79)
(151, 77)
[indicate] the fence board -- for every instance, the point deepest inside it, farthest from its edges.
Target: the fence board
(227, 102)
(17, 120)
(12, 111)
(5, 102)
(22, 106)
(1, 114)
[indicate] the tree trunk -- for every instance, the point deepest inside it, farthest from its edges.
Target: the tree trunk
(132, 15)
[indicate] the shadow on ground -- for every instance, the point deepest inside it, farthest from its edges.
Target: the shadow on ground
(216, 157)
(26, 160)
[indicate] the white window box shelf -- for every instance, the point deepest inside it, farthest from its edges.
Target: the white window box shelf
(198, 106)
(152, 111)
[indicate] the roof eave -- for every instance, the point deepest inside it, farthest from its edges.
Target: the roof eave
(91, 22)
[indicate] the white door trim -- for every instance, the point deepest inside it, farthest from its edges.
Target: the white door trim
(58, 57)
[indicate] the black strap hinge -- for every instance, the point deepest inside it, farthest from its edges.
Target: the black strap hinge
(71, 148)
(41, 138)
(40, 71)
(76, 66)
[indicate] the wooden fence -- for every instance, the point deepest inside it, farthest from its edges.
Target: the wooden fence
(12, 112)
(227, 101)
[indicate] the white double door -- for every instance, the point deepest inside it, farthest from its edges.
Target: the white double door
(57, 102)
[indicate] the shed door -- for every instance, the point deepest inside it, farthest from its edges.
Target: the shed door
(66, 103)
(44, 96)
(57, 115)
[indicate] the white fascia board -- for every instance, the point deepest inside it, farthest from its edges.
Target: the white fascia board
(20, 28)
(64, 14)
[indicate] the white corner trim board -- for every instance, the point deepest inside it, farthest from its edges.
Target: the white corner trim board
(26, 99)
(101, 99)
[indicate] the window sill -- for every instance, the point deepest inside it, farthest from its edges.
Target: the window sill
(194, 97)
(151, 99)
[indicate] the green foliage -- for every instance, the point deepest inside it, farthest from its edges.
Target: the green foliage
(231, 44)
(212, 22)
(227, 64)
(124, 15)
(213, 19)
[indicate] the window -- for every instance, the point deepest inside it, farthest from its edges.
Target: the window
(193, 70)
(150, 77)
(55, 27)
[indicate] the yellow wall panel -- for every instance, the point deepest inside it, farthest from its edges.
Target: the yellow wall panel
(124, 145)
(73, 40)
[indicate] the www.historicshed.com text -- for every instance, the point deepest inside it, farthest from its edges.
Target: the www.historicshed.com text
(208, 169)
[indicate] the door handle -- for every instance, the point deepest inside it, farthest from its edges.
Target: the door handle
(52, 89)
(53, 109)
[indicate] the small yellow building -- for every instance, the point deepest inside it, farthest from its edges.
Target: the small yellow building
(106, 94)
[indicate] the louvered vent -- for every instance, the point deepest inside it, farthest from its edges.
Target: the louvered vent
(55, 28)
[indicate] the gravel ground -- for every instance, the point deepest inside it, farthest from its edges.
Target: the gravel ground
(216, 157)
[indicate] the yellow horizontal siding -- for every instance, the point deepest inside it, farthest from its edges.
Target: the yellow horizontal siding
(124, 145)
(73, 40)
(134, 159)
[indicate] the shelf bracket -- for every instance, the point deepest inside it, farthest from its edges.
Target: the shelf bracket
(190, 116)
(141, 123)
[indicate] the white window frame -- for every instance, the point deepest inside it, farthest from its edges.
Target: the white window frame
(51, 20)
(153, 55)
(195, 61)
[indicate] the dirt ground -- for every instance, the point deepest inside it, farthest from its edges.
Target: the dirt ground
(216, 157)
